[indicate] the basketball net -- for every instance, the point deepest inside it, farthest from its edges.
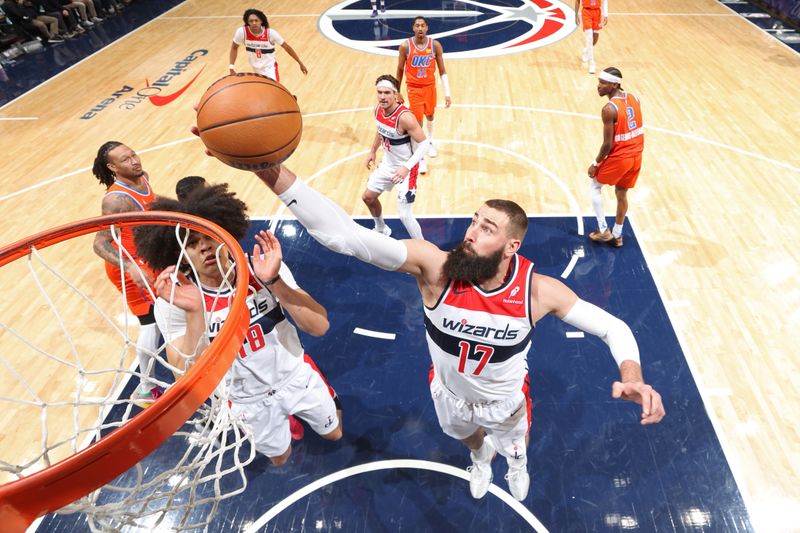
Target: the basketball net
(69, 376)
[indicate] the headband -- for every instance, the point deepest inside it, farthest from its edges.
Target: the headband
(387, 84)
(605, 76)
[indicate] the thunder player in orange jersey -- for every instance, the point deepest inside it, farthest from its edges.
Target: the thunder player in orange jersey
(620, 157)
(119, 169)
(418, 59)
(595, 17)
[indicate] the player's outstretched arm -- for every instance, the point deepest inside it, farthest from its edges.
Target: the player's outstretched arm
(334, 229)
(555, 298)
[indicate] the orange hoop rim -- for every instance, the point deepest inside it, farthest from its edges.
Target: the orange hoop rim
(45, 491)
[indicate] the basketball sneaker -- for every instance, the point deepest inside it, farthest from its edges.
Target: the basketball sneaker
(480, 473)
(145, 398)
(601, 236)
(592, 68)
(432, 152)
(423, 166)
(374, 13)
(519, 481)
(616, 242)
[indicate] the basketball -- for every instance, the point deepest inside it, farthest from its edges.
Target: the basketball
(249, 121)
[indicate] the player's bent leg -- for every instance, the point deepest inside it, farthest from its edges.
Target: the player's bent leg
(317, 403)
(509, 435)
(370, 198)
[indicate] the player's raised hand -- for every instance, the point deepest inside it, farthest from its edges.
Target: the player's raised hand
(267, 255)
(173, 286)
(643, 394)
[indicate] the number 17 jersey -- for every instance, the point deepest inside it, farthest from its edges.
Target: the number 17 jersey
(479, 340)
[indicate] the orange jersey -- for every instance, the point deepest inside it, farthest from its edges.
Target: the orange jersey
(141, 199)
(629, 127)
(420, 64)
(590, 4)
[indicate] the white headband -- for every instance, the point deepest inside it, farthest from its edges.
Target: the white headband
(605, 76)
(387, 84)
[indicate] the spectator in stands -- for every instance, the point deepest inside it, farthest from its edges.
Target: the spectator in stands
(23, 14)
(66, 19)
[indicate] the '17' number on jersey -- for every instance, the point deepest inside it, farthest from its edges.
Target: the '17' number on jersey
(483, 352)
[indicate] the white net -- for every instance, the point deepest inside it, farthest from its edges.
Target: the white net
(69, 375)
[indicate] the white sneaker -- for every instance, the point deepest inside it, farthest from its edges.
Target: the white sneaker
(423, 166)
(519, 481)
(432, 151)
(584, 56)
(386, 230)
(480, 473)
(592, 68)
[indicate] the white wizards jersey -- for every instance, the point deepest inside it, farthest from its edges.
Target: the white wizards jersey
(397, 147)
(271, 351)
(479, 340)
(260, 48)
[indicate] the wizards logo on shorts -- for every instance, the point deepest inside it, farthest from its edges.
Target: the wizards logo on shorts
(466, 28)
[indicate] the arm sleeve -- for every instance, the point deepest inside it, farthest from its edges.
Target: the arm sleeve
(329, 225)
(613, 331)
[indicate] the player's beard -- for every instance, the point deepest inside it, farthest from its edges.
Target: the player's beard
(463, 264)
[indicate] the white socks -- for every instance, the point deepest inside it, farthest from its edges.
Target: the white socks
(379, 223)
(617, 231)
(597, 205)
(482, 454)
(589, 45)
(146, 348)
(408, 220)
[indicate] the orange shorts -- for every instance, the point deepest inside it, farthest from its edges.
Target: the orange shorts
(139, 300)
(620, 171)
(591, 19)
(422, 101)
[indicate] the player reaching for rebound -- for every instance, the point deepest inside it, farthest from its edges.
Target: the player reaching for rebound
(418, 58)
(404, 144)
(272, 378)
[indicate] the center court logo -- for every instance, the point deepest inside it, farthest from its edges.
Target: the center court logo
(128, 98)
(470, 28)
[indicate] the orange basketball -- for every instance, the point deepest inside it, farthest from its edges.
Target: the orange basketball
(249, 121)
